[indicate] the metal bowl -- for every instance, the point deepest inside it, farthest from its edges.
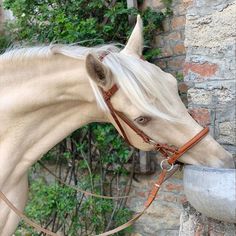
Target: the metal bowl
(212, 191)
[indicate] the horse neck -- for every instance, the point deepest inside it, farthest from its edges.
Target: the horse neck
(42, 102)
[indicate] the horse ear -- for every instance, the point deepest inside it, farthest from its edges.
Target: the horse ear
(134, 45)
(98, 72)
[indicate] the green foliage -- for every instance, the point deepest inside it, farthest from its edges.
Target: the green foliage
(179, 76)
(88, 215)
(4, 43)
(94, 158)
(87, 22)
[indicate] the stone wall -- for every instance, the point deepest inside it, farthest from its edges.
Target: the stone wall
(208, 64)
(194, 223)
(210, 72)
(210, 67)
(162, 218)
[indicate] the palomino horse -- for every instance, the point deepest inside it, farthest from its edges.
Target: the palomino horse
(48, 92)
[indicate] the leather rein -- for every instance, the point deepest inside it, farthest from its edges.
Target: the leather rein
(170, 153)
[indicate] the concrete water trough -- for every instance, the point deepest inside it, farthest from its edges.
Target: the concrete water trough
(211, 191)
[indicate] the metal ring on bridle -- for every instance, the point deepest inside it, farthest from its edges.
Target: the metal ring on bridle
(171, 166)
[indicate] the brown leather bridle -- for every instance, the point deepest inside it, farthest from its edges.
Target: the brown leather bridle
(170, 153)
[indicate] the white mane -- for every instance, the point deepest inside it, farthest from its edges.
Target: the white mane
(145, 83)
(19, 54)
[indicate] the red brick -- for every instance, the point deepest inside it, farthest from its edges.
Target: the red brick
(179, 49)
(178, 22)
(205, 69)
(201, 115)
(174, 187)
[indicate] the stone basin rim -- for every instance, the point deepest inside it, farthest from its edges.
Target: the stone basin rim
(209, 169)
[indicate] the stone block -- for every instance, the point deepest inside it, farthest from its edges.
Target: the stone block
(158, 4)
(225, 113)
(227, 132)
(199, 96)
(166, 25)
(183, 87)
(193, 223)
(223, 95)
(214, 31)
(173, 36)
(166, 51)
(181, 9)
(176, 62)
(201, 115)
(162, 218)
(179, 49)
(159, 41)
(178, 22)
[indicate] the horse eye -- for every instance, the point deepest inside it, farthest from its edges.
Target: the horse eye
(142, 120)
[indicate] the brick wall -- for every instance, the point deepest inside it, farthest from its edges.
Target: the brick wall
(210, 72)
(171, 41)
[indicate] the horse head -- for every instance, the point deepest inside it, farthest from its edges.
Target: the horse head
(149, 98)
